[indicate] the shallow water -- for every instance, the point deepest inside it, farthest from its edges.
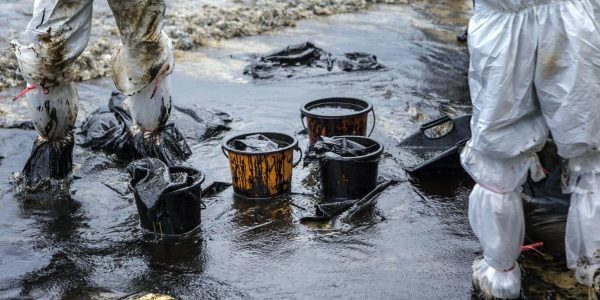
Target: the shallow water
(414, 244)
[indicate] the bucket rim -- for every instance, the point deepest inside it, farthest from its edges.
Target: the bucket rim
(293, 145)
(306, 113)
(377, 154)
(190, 172)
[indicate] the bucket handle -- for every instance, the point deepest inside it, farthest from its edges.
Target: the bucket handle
(300, 159)
(224, 153)
(435, 122)
(302, 120)
(374, 121)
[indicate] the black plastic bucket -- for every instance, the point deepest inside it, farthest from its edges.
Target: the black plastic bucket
(351, 177)
(168, 199)
(336, 117)
(262, 175)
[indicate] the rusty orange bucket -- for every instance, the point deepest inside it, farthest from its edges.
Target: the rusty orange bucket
(262, 175)
(336, 117)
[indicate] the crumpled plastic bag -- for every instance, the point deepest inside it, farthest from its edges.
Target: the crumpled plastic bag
(546, 209)
(335, 147)
(282, 63)
(112, 130)
(168, 199)
(109, 129)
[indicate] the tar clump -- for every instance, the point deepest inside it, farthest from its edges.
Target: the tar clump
(288, 61)
(169, 199)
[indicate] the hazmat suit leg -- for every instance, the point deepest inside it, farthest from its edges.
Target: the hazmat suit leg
(568, 84)
(532, 63)
(507, 130)
(582, 238)
(56, 35)
(498, 221)
(141, 70)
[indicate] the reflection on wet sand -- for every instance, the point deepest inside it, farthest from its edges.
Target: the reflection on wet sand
(57, 219)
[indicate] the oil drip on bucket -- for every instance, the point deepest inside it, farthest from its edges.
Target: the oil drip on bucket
(336, 117)
(261, 163)
(349, 165)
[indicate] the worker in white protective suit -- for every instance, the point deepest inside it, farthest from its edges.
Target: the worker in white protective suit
(56, 35)
(535, 70)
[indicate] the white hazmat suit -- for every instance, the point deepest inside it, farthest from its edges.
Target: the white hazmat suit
(535, 70)
(58, 33)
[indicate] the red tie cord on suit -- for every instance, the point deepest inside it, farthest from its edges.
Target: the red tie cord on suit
(27, 89)
(533, 247)
(525, 248)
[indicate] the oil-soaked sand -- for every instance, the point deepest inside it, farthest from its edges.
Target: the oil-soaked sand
(415, 244)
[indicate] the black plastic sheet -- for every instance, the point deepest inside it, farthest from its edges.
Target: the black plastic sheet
(546, 209)
(280, 63)
(112, 130)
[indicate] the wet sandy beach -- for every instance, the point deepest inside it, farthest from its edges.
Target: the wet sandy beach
(414, 244)
(190, 24)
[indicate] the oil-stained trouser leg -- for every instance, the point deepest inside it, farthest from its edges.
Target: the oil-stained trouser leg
(56, 35)
(141, 69)
(144, 61)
